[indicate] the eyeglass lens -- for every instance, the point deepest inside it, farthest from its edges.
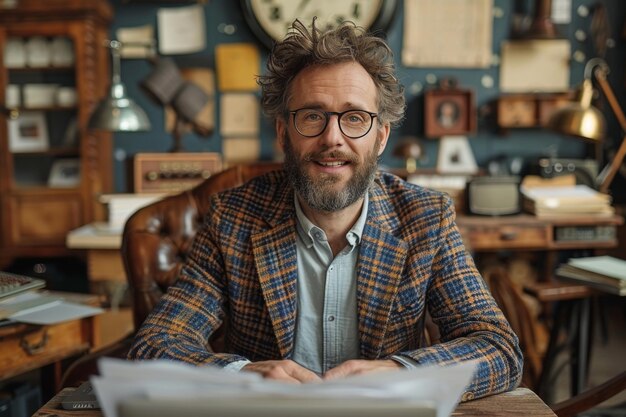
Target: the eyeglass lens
(352, 123)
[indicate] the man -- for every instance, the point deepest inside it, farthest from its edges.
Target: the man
(327, 269)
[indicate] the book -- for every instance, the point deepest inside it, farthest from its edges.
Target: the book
(603, 272)
(566, 200)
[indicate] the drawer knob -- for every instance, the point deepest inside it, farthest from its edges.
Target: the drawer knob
(508, 235)
(35, 348)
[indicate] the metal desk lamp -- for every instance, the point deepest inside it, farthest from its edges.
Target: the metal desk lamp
(117, 112)
(583, 120)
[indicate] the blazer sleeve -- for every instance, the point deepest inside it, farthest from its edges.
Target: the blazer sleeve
(471, 325)
(180, 326)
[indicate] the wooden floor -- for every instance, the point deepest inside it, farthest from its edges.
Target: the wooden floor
(608, 356)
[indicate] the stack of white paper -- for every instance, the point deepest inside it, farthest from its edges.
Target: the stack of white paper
(122, 382)
(566, 200)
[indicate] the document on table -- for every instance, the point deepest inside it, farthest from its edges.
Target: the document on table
(44, 308)
(122, 381)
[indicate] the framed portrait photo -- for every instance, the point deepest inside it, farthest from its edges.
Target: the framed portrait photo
(28, 133)
(65, 173)
(449, 111)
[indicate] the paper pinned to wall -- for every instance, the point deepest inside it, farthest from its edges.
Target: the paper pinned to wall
(535, 66)
(182, 30)
(466, 42)
(239, 115)
(241, 150)
(137, 42)
(237, 66)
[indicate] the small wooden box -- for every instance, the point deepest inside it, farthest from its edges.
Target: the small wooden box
(173, 172)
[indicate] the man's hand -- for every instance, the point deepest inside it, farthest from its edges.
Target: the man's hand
(362, 366)
(282, 370)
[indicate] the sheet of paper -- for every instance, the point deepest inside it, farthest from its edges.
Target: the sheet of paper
(535, 66)
(466, 42)
(237, 66)
(239, 150)
(239, 115)
(48, 309)
(137, 42)
(182, 30)
(121, 380)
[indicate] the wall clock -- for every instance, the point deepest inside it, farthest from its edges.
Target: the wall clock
(270, 19)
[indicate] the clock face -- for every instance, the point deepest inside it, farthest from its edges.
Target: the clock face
(270, 19)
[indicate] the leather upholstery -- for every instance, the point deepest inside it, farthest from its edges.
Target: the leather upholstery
(157, 238)
(155, 243)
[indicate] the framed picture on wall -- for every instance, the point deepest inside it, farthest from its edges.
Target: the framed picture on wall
(64, 173)
(28, 132)
(449, 111)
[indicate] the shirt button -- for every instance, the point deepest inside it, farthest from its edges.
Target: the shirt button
(332, 268)
(331, 318)
(318, 235)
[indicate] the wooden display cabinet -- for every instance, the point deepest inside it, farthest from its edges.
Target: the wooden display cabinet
(52, 167)
(528, 110)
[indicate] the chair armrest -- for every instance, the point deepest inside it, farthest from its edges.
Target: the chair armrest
(591, 397)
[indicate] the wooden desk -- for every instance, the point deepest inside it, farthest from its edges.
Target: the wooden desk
(482, 234)
(522, 401)
(25, 347)
(102, 246)
(526, 232)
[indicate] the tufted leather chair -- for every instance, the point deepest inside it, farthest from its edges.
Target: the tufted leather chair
(157, 238)
(155, 244)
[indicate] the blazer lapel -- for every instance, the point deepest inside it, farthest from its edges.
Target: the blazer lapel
(275, 258)
(379, 270)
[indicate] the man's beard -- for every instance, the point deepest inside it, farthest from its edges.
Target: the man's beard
(317, 191)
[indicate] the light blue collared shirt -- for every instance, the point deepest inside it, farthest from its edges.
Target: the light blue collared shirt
(327, 332)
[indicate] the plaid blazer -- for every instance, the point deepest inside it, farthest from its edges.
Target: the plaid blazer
(243, 267)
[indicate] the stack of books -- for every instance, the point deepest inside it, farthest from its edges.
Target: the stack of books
(574, 200)
(603, 272)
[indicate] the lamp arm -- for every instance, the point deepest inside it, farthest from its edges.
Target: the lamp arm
(608, 173)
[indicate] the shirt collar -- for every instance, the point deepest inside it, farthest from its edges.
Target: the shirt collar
(306, 228)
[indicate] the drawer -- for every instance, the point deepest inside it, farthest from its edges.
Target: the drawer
(32, 347)
(507, 237)
(32, 224)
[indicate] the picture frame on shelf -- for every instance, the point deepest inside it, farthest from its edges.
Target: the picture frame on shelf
(455, 156)
(28, 132)
(64, 173)
(449, 111)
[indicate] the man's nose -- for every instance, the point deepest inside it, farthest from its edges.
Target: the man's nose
(332, 135)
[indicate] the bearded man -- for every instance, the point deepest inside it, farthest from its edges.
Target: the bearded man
(328, 267)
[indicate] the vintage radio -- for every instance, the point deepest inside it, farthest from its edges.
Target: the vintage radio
(493, 195)
(173, 172)
(584, 170)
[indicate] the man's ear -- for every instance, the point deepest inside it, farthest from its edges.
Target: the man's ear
(281, 130)
(383, 135)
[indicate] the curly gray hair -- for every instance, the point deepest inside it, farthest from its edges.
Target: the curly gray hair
(303, 48)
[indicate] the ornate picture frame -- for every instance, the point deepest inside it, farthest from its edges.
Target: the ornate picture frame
(449, 111)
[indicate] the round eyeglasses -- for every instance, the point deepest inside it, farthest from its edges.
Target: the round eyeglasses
(352, 123)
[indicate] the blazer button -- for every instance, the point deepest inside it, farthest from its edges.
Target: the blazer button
(467, 396)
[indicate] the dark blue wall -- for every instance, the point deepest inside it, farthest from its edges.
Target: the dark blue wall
(486, 144)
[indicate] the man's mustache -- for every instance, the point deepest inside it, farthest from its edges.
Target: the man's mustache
(318, 156)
